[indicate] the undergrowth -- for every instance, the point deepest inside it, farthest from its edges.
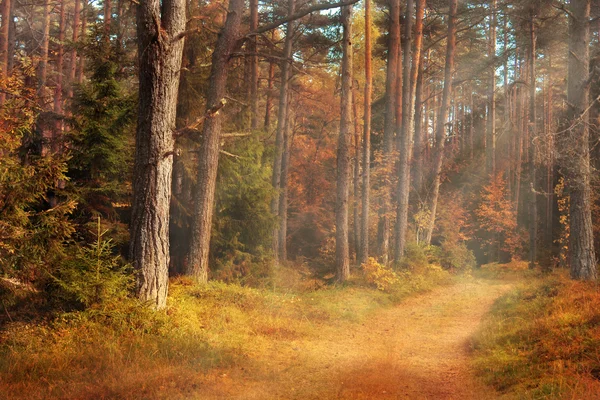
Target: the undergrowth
(542, 341)
(124, 350)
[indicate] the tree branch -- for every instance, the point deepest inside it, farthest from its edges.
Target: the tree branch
(298, 15)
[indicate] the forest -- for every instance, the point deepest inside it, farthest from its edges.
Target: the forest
(299, 199)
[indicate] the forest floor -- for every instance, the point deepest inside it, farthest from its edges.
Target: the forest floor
(418, 349)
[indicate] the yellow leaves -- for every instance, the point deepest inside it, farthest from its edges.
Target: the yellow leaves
(379, 275)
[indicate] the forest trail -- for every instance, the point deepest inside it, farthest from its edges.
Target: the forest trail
(416, 350)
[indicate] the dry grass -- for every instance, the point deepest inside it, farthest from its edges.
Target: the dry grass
(543, 341)
(210, 340)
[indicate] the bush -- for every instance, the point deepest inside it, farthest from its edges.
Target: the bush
(380, 276)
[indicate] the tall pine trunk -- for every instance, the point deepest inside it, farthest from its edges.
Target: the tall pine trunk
(366, 154)
(532, 146)
(4, 43)
(208, 157)
(342, 256)
(75, 39)
(389, 126)
(159, 24)
(281, 121)
(441, 119)
(406, 130)
(490, 147)
(577, 161)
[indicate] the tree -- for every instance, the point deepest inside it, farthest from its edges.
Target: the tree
(160, 29)
(208, 157)
(342, 259)
(366, 155)
(576, 162)
(440, 129)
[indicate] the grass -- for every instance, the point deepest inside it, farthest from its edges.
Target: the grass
(542, 341)
(208, 335)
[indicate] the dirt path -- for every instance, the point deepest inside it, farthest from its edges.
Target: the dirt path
(417, 350)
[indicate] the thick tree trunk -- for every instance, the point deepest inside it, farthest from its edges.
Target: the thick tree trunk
(577, 161)
(75, 39)
(406, 134)
(342, 258)
(107, 19)
(532, 146)
(208, 157)
(58, 90)
(441, 119)
(159, 51)
(281, 120)
(366, 154)
(389, 125)
(490, 147)
(356, 179)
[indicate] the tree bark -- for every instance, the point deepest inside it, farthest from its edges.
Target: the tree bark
(342, 259)
(366, 155)
(208, 157)
(58, 90)
(441, 119)
(532, 146)
(490, 147)
(253, 66)
(283, 188)
(4, 42)
(159, 55)
(389, 124)
(577, 161)
(417, 77)
(43, 64)
(281, 119)
(75, 38)
(406, 130)
(81, 67)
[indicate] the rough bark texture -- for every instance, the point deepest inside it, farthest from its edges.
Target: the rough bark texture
(366, 155)
(532, 146)
(281, 119)
(342, 257)
(159, 65)
(405, 148)
(577, 162)
(58, 89)
(208, 157)
(441, 119)
(490, 147)
(389, 123)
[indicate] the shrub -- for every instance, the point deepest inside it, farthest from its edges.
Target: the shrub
(378, 275)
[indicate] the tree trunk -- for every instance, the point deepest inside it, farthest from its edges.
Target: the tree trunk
(159, 54)
(342, 259)
(532, 146)
(107, 19)
(281, 119)
(4, 41)
(253, 66)
(356, 178)
(389, 124)
(58, 90)
(366, 155)
(43, 64)
(581, 240)
(405, 149)
(268, 104)
(441, 119)
(490, 147)
(81, 67)
(73, 61)
(208, 157)
(283, 188)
